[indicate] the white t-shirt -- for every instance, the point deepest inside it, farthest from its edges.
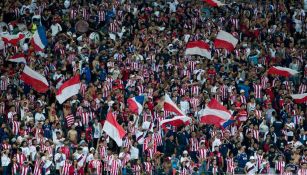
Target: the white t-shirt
(55, 29)
(59, 160)
(134, 153)
(5, 160)
(249, 165)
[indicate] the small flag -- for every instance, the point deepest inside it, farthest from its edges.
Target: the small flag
(68, 89)
(282, 71)
(214, 113)
(18, 58)
(113, 129)
(13, 39)
(34, 79)
(39, 39)
(198, 48)
(136, 104)
(170, 106)
(225, 40)
(299, 98)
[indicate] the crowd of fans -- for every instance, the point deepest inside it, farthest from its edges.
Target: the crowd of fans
(132, 48)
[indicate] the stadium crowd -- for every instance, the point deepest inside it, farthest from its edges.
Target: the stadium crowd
(128, 48)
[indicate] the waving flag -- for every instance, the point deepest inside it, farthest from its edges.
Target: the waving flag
(18, 58)
(39, 39)
(68, 89)
(169, 105)
(13, 39)
(282, 71)
(299, 98)
(225, 40)
(214, 113)
(34, 79)
(113, 129)
(214, 3)
(176, 121)
(227, 123)
(198, 48)
(136, 104)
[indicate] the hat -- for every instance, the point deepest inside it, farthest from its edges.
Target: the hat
(185, 152)
(242, 91)
(252, 158)
(92, 148)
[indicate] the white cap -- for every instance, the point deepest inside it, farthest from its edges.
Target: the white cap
(185, 152)
(242, 91)
(252, 158)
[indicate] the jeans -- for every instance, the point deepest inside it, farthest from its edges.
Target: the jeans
(5, 170)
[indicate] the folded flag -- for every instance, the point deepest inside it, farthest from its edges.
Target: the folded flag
(18, 58)
(214, 3)
(13, 39)
(70, 120)
(299, 98)
(34, 79)
(176, 121)
(113, 129)
(225, 40)
(282, 71)
(214, 113)
(170, 106)
(39, 39)
(198, 48)
(136, 104)
(68, 89)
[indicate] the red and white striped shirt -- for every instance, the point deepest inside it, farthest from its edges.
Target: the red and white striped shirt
(114, 27)
(302, 171)
(194, 144)
(257, 90)
(230, 164)
(115, 166)
(73, 13)
(96, 164)
(15, 168)
(256, 134)
(25, 170)
(20, 158)
(15, 127)
(38, 167)
(148, 168)
(158, 138)
(137, 169)
(4, 82)
(86, 117)
(243, 99)
(280, 166)
(302, 88)
(101, 15)
(83, 88)
(264, 81)
(65, 168)
(203, 153)
(195, 90)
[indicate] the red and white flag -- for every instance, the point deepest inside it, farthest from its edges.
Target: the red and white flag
(176, 121)
(13, 39)
(299, 98)
(18, 58)
(68, 89)
(214, 3)
(282, 71)
(170, 106)
(198, 48)
(214, 113)
(114, 129)
(34, 79)
(225, 40)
